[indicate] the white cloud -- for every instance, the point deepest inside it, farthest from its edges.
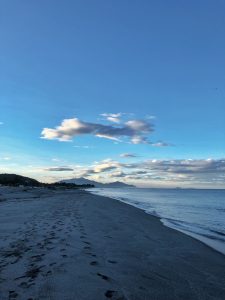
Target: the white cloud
(115, 118)
(55, 159)
(105, 166)
(84, 147)
(117, 174)
(139, 126)
(161, 144)
(6, 158)
(139, 140)
(135, 130)
(150, 117)
(107, 136)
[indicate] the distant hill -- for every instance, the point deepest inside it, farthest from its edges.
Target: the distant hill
(82, 180)
(16, 180)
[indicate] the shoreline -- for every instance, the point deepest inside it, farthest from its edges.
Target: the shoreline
(212, 244)
(53, 242)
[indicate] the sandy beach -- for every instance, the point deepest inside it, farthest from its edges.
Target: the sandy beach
(72, 245)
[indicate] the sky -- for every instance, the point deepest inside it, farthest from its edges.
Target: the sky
(122, 90)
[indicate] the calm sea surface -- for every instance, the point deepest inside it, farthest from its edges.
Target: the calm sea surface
(199, 213)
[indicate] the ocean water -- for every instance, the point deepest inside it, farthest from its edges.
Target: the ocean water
(198, 213)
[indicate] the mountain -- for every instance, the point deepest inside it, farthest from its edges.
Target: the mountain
(79, 181)
(16, 180)
(116, 184)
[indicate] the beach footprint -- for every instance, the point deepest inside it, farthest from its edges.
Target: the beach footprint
(13, 295)
(94, 263)
(104, 277)
(112, 261)
(111, 294)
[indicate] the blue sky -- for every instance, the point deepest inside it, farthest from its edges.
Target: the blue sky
(159, 62)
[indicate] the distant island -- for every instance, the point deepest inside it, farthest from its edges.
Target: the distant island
(81, 181)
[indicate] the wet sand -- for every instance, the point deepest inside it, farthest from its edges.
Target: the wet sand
(72, 245)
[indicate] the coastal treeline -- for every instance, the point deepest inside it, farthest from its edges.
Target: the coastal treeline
(18, 180)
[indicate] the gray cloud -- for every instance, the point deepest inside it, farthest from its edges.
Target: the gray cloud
(188, 166)
(181, 171)
(135, 130)
(128, 155)
(178, 166)
(139, 172)
(58, 169)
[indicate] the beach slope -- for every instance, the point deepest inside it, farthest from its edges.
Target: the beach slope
(72, 245)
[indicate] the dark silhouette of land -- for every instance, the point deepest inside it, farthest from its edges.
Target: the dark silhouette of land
(18, 180)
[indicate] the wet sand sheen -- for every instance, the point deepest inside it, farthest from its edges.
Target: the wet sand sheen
(75, 245)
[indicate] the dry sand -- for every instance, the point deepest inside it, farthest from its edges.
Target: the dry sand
(72, 245)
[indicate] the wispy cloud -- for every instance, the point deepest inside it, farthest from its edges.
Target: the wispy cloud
(161, 144)
(55, 159)
(115, 118)
(84, 147)
(128, 155)
(6, 158)
(58, 169)
(150, 117)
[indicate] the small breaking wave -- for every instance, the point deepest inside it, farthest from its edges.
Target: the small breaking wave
(198, 213)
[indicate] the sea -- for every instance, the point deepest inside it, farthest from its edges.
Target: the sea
(196, 212)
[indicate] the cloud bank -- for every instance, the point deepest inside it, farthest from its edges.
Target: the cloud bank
(205, 173)
(184, 172)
